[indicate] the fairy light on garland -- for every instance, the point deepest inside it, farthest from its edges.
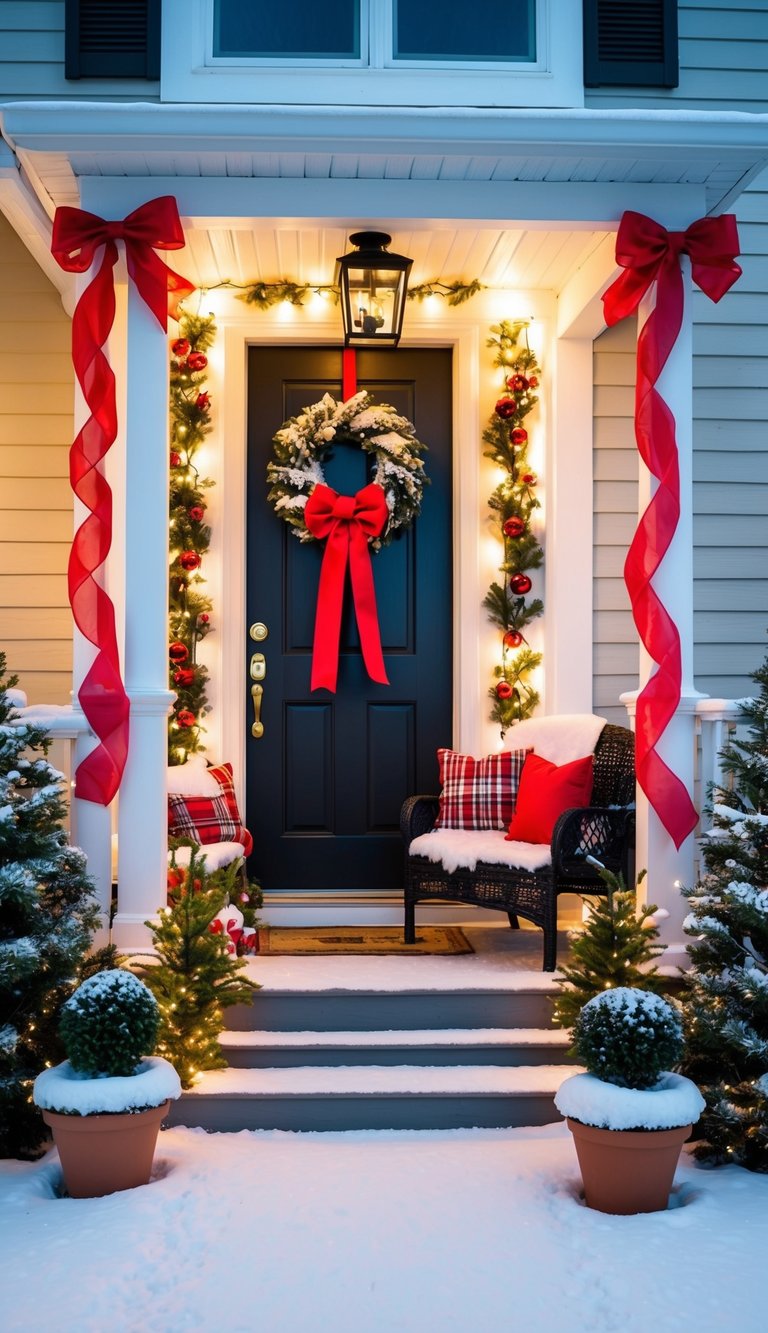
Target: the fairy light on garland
(189, 615)
(265, 295)
(513, 504)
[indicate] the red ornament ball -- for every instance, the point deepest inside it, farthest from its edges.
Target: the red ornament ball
(514, 526)
(203, 618)
(503, 690)
(529, 478)
(513, 638)
(197, 361)
(506, 407)
(518, 435)
(185, 718)
(178, 652)
(520, 584)
(175, 458)
(183, 676)
(196, 513)
(203, 401)
(180, 347)
(189, 560)
(533, 381)
(517, 383)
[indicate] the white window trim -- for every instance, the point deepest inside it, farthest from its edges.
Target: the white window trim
(189, 73)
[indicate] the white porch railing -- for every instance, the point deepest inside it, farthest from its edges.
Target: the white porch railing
(90, 826)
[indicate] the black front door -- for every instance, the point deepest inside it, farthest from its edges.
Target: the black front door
(326, 779)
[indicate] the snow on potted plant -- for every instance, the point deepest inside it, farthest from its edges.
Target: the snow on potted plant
(629, 1115)
(104, 1104)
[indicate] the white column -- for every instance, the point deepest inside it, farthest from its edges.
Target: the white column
(569, 539)
(143, 814)
(667, 867)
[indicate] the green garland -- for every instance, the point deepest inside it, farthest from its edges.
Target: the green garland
(264, 295)
(455, 293)
(189, 535)
(305, 441)
(513, 504)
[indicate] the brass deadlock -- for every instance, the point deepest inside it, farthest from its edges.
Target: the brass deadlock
(258, 666)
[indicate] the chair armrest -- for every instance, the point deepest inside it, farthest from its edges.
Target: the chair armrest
(605, 832)
(417, 816)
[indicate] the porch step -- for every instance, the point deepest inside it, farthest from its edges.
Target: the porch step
(372, 1097)
(275, 1010)
(414, 1047)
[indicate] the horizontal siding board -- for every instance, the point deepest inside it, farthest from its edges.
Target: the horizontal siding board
(700, 24)
(611, 595)
(55, 399)
(617, 659)
(722, 436)
(615, 464)
(750, 532)
(614, 627)
(716, 627)
(721, 659)
(35, 525)
(742, 372)
(730, 562)
(730, 497)
(614, 433)
(33, 557)
(734, 466)
(31, 46)
(23, 368)
(40, 687)
(42, 338)
(36, 654)
(23, 622)
(614, 529)
(33, 590)
(608, 561)
(19, 493)
(28, 461)
(616, 497)
(21, 429)
(739, 594)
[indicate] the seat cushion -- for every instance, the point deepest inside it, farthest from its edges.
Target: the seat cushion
(457, 849)
(217, 854)
(546, 792)
(478, 793)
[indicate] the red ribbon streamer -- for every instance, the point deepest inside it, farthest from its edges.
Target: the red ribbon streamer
(347, 521)
(348, 373)
(77, 236)
(649, 253)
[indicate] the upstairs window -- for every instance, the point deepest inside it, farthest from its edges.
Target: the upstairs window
(287, 29)
(496, 31)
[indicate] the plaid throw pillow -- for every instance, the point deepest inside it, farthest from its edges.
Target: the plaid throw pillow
(208, 819)
(478, 793)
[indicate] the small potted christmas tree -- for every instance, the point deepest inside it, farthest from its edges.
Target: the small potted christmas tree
(725, 1000)
(105, 1102)
(629, 1114)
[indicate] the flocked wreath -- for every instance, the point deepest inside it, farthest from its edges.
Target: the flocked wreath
(304, 442)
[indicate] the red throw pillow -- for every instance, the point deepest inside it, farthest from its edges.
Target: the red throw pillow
(478, 793)
(208, 819)
(545, 793)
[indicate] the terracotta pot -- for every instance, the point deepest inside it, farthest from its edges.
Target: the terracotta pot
(627, 1170)
(104, 1153)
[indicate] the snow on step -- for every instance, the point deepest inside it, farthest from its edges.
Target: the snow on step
(390, 1080)
(401, 1037)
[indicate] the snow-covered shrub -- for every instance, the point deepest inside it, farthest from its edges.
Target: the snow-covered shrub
(109, 1023)
(629, 1037)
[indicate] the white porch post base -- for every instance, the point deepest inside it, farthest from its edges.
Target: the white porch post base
(667, 868)
(143, 822)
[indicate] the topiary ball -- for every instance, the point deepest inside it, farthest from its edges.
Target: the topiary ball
(629, 1037)
(109, 1023)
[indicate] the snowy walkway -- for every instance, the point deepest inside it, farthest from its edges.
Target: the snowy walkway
(468, 1231)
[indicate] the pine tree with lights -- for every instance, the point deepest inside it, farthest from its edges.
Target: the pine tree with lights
(726, 997)
(47, 918)
(513, 505)
(189, 619)
(197, 978)
(616, 948)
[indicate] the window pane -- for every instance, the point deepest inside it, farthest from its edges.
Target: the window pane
(287, 28)
(494, 30)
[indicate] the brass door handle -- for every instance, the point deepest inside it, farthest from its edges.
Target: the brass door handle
(257, 726)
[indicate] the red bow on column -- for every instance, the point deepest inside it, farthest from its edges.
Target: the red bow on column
(649, 253)
(347, 521)
(77, 236)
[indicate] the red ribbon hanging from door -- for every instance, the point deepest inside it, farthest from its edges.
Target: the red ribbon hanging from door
(346, 522)
(77, 236)
(348, 373)
(648, 253)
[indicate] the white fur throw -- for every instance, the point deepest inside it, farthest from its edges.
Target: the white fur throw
(217, 854)
(192, 778)
(463, 848)
(560, 739)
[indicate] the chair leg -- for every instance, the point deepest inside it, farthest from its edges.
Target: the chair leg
(409, 934)
(513, 921)
(550, 936)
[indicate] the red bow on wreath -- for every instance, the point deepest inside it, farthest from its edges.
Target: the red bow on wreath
(77, 237)
(348, 522)
(649, 253)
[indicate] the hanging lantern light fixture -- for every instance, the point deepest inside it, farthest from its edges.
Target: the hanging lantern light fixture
(373, 284)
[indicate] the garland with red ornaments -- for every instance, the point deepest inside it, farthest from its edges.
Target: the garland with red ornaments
(189, 614)
(513, 504)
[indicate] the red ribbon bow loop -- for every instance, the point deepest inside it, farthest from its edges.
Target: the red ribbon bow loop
(347, 523)
(77, 237)
(648, 253)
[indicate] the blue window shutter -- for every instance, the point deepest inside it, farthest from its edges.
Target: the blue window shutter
(112, 39)
(630, 42)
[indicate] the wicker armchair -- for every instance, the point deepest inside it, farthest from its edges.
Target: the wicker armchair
(604, 830)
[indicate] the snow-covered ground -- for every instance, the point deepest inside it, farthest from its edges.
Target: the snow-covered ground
(475, 1231)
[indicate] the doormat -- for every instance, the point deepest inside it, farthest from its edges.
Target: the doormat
(360, 940)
